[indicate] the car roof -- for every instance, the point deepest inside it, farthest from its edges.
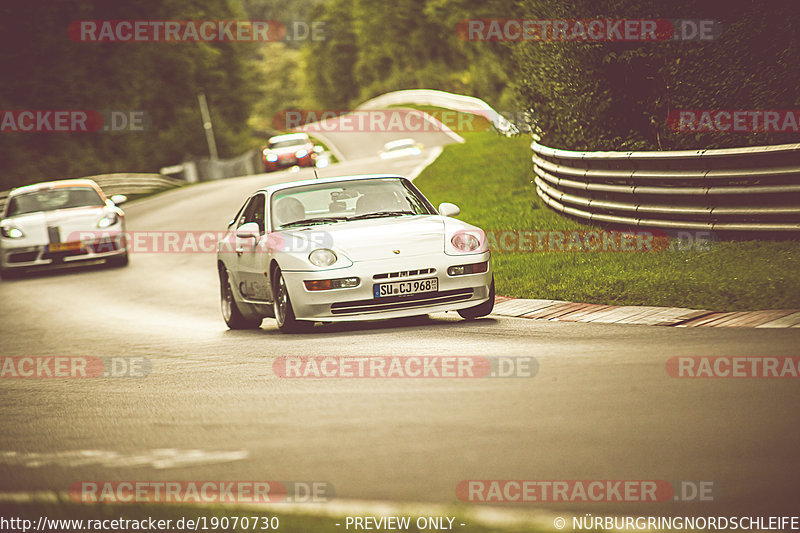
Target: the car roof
(290, 184)
(289, 137)
(78, 182)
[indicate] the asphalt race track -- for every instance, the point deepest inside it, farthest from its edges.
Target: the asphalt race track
(600, 407)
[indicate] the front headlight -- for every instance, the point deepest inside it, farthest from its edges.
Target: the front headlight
(300, 154)
(107, 221)
(10, 232)
(322, 257)
(272, 158)
(465, 242)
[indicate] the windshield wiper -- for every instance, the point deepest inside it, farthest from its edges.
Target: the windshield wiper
(313, 221)
(381, 214)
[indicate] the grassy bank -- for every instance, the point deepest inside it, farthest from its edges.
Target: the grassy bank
(490, 178)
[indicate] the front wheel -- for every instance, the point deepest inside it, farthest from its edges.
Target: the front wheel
(230, 311)
(480, 310)
(284, 313)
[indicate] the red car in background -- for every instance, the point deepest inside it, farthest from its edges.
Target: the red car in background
(288, 150)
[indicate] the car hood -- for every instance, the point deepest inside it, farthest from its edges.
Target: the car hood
(70, 222)
(379, 238)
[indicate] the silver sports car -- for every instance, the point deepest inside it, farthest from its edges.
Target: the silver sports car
(349, 248)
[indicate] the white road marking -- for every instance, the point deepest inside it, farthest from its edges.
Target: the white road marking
(160, 458)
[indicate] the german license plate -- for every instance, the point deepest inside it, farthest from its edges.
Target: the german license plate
(64, 246)
(405, 288)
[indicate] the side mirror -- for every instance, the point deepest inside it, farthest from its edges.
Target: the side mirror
(446, 209)
(250, 230)
(119, 199)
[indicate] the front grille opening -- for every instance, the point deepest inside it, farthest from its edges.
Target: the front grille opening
(22, 257)
(405, 273)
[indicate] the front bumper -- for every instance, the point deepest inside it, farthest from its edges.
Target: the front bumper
(359, 303)
(20, 256)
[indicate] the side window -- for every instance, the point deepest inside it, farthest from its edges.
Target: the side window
(241, 218)
(237, 217)
(254, 212)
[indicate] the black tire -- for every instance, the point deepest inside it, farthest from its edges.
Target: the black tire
(282, 306)
(471, 313)
(230, 311)
(118, 261)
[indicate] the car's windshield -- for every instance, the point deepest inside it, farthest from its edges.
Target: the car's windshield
(52, 199)
(287, 143)
(346, 200)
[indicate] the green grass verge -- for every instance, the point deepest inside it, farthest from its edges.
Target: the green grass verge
(490, 177)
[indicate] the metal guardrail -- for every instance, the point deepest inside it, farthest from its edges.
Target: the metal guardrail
(243, 165)
(740, 189)
(124, 183)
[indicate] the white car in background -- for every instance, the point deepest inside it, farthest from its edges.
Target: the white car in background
(400, 148)
(349, 248)
(42, 225)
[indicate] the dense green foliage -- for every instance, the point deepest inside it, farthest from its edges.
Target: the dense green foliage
(601, 95)
(43, 69)
(613, 96)
(608, 95)
(376, 47)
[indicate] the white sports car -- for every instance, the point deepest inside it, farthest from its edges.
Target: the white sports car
(349, 248)
(400, 148)
(43, 224)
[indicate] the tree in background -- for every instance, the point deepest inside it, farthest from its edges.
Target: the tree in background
(330, 63)
(281, 66)
(606, 95)
(617, 96)
(375, 47)
(44, 69)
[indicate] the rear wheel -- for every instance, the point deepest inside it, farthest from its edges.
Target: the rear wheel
(230, 311)
(284, 313)
(480, 310)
